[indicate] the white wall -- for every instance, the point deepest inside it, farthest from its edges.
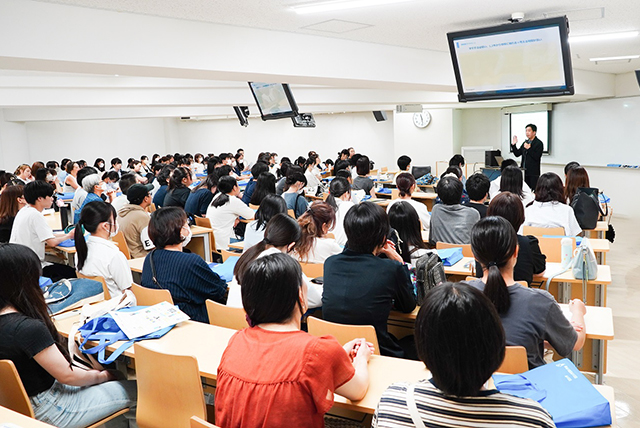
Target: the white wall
(333, 133)
(14, 147)
(478, 127)
(425, 146)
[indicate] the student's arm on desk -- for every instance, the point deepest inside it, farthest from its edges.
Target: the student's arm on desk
(578, 309)
(356, 388)
(56, 365)
(53, 242)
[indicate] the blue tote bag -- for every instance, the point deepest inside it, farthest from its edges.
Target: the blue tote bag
(563, 391)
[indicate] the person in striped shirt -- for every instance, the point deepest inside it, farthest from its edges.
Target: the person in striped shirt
(460, 339)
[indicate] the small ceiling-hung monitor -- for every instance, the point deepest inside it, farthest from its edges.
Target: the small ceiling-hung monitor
(243, 114)
(516, 60)
(274, 100)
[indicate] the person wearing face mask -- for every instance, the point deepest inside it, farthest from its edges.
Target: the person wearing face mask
(186, 275)
(97, 255)
(95, 188)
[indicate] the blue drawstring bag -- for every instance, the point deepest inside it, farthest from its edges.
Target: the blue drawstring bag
(225, 270)
(106, 331)
(67, 243)
(450, 256)
(563, 391)
(385, 191)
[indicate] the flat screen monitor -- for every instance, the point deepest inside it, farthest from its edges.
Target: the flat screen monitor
(274, 100)
(518, 60)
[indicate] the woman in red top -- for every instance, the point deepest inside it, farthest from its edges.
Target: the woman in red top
(273, 374)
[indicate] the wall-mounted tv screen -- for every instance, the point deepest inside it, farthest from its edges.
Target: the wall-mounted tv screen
(274, 100)
(518, 60)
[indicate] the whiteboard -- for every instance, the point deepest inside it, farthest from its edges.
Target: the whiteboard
(596, 133)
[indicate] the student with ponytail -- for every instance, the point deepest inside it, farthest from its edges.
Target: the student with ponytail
(340, 199)
(97, 255)
(314, 246)
(178, 191)
(529, 316)
(280, 236)
(225, 209)
(270, 206)
(406, 184)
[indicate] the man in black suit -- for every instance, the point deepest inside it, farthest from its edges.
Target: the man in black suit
(531, 151)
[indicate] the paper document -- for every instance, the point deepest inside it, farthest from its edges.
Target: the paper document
(149, 320)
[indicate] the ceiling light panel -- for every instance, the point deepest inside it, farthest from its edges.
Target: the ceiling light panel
(330, 6)
(615, 58)
(603, 37)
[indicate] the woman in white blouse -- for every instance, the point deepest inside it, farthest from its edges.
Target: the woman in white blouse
(406, 184)
(314, 246)
(511, 181)
(340, 199)
(225, 209)
(312, 173)
(549, 209)
(97, 255)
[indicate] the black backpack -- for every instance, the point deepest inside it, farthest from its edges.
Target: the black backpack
(429, 273)
(586, 207)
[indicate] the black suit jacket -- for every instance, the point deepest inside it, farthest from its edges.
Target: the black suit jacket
(530, 158)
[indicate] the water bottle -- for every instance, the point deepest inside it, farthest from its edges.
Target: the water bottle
(566, 250)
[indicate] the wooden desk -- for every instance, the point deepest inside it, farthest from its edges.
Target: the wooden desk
(21, 421)
(599, 231)
(53, 220)
(136, 264)
(237, 245)
(202, 243)
(426, 198)
(600, 247)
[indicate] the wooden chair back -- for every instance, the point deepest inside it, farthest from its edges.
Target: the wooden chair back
(466, 248)
(473, 278)
(515, 360)
(159, 373)
(12, 393)
(395, 193)
(226, 254)
(122, 244)
(384, 170)
(196, 422)
(254, 207)
(226, 316)
(343, 332)
(552, 248)
(539, 231)
(205, 222)
(312, 270)
(150, 296)
(100, 279)
(151, 208)
(291, 213)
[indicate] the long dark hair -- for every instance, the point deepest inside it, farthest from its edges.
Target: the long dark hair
(179, 174)
(576, 177)
(311, 222)
(265, 185)
(404, 218)
(210, 182)
(281, 230)
(20, 288)
(9, 202)
(91, 216)
(511, 181)
(226, 184)
(270, 206)
(549, 188)
(405, 182)
(493, 242)
(338, 187)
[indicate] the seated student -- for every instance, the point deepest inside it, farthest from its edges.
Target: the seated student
(511, 181)
(111, 179)
(363, 167)
(116, 165)
(460, 339)
(478, 190)
(98, 255)
(31, 229)
(283, 171)
(314, 246)
(138, 172)
(80, 194)
(455, 171)
(201, 196)
(133, 220)
(343, 155)
(340, 199)
(256, 170)
(529, 316)
(549, 209)
(189, 279)
(23, 174)
(270, 206)
(495, 183)
(530, 261)
(11, 202)
(281, 235)
(568, 167)
(312, 174)
(458, 161)
(163, 180)
(126, 182)
(99, 165)
(406, 184)
(294, 194)
(404, 165)
(265, 185)
(178, 190)
(225, 210)
(92, 184)
(361, 288)
(356, 195)
(404, 219)
(59, 395)
(70, 181)
(450, 221)
(273, 374)
(576, 177)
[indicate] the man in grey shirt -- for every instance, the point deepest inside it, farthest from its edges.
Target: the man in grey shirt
(451, 222)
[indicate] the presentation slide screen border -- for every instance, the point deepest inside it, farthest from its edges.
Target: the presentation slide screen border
(274, 100)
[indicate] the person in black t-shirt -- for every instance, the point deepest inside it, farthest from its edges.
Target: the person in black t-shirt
(60, 395)
(478, 190)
